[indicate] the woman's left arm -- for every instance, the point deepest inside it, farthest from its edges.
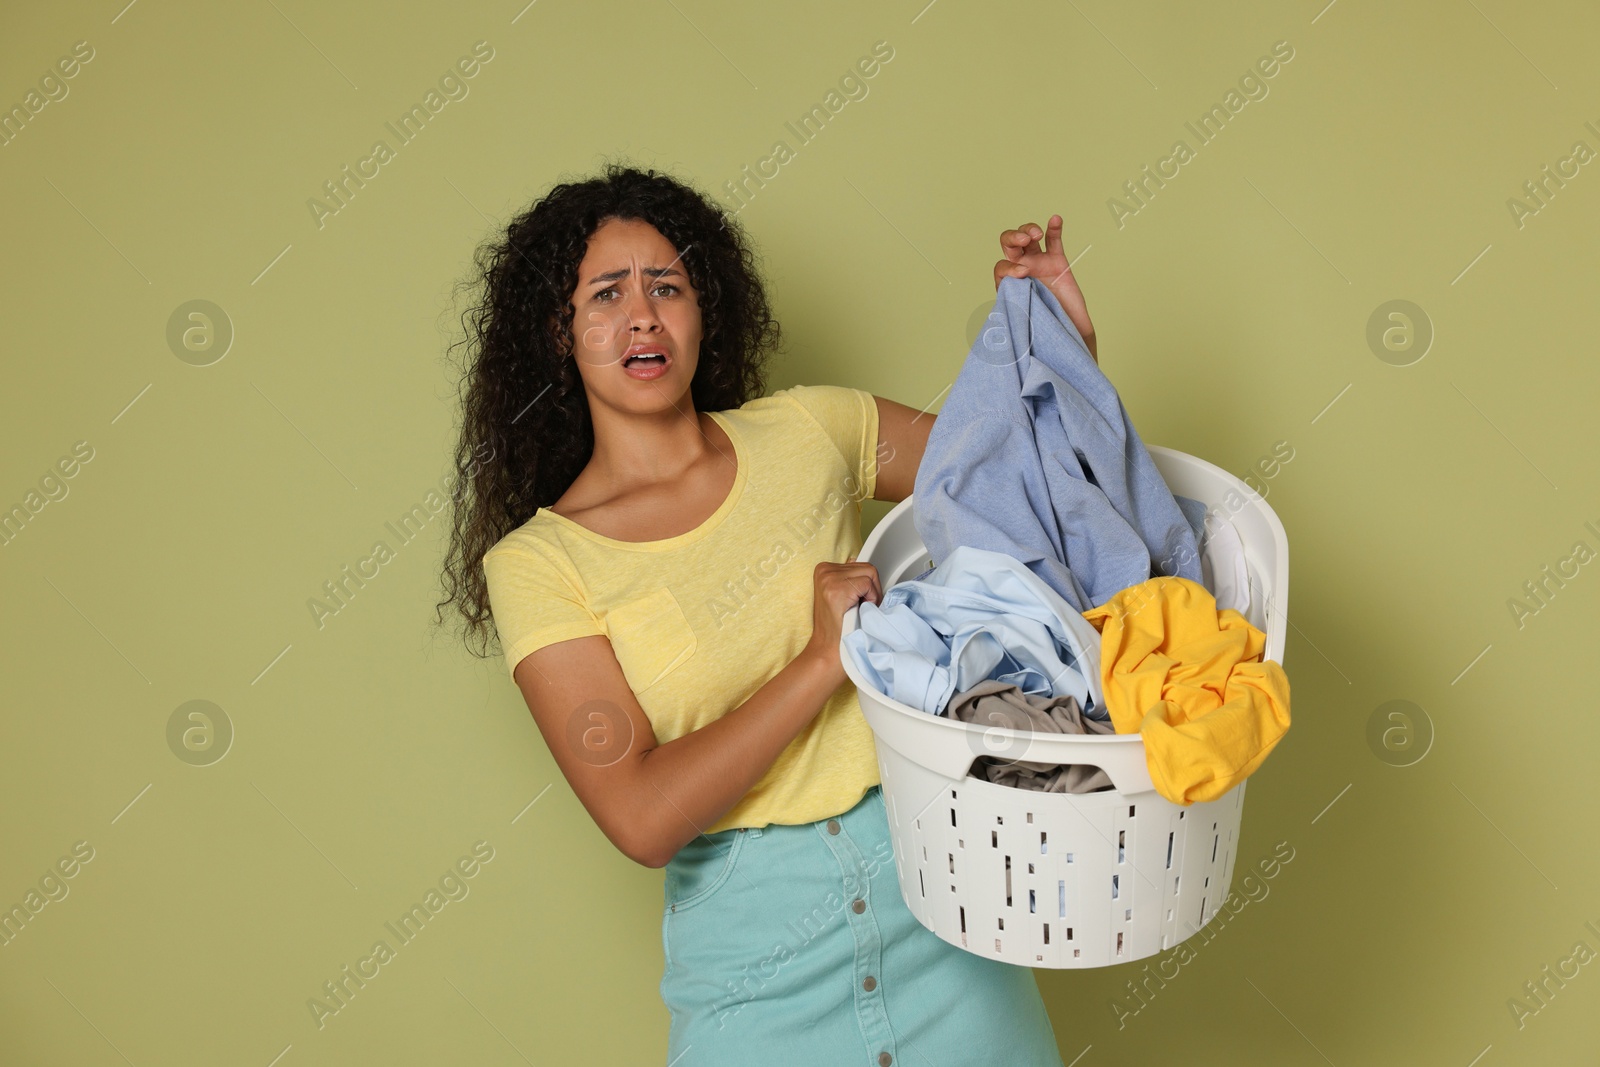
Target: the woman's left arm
(902, 438)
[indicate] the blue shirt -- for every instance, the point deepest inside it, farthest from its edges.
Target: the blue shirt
(1033, 455)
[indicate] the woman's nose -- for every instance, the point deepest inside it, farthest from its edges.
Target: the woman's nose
(640, 311)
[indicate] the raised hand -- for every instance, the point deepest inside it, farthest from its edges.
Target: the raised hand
(1025, 258)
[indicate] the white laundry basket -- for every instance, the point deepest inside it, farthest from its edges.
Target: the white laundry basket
(1060, 879)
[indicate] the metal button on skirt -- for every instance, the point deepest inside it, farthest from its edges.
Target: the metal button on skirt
(791, 944)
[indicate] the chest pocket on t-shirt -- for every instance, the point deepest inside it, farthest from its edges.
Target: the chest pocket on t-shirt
(651, 637)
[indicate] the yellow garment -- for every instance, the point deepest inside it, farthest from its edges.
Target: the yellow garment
(1191, 680)
(702, 620)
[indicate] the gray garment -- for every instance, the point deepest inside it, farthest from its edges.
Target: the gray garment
(1003, 704)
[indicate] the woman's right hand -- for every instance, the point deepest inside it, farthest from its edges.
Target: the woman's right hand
(836, 588)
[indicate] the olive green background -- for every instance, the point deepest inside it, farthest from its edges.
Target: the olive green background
(370, 753)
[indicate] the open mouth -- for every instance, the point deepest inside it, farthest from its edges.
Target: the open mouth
(649, 363)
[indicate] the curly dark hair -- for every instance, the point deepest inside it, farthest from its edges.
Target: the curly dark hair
(525, 431)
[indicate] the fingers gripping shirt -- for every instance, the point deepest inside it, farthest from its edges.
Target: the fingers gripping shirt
(700, 621)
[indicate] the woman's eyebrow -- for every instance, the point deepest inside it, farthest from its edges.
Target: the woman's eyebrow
(622, 272)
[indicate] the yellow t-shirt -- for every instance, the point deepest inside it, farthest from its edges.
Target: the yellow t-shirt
(702, 620)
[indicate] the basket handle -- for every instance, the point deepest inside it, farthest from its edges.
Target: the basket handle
(1121, 756)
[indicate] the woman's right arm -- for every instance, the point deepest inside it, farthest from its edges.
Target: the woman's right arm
(651, 799)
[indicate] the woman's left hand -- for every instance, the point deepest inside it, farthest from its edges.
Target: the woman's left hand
(1025, 258)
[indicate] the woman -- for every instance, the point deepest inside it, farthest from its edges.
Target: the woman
(666, 556)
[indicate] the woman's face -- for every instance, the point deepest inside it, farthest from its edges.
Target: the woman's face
(634, 294)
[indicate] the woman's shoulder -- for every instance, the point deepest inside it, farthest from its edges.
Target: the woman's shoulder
(822, 402)
(810, 418)
(533, 538)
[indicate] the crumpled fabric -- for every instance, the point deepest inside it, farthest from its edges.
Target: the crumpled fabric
(995, 703)
(1190, 679)
(1034, 455)
(1222, 565)
(978, 614)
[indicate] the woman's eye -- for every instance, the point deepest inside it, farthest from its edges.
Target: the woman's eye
(612, 292)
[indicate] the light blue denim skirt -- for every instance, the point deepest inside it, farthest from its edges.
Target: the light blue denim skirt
(791, 944)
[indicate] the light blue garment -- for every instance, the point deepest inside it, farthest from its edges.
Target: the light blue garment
(1034, 455)
(978, 614)
(1194, 512)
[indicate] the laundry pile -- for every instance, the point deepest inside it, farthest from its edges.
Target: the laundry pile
(1072, 591)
